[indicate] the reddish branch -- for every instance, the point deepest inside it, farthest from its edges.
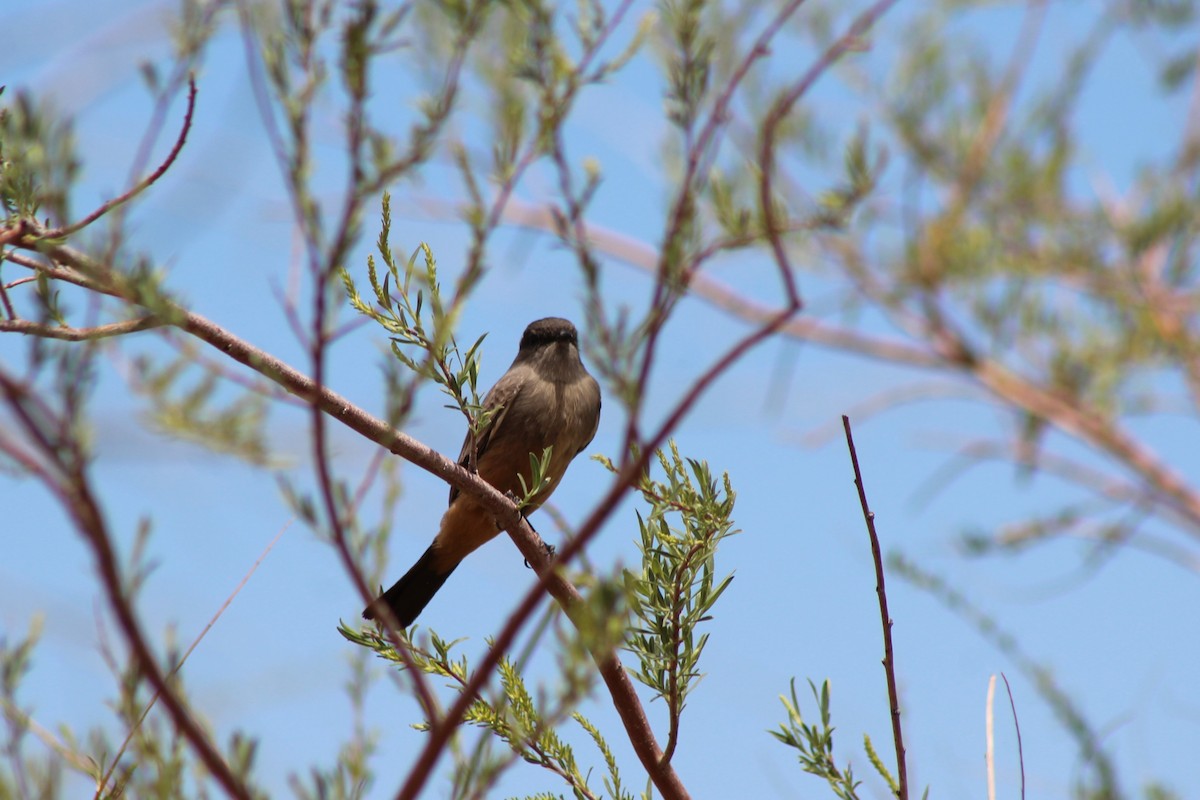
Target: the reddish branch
(66, 477)
(889, 661)
(699, 152)
(79, 334)
(144, 183)
(783, 107)
(638, 254)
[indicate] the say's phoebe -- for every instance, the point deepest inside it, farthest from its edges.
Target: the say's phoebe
(546, 399)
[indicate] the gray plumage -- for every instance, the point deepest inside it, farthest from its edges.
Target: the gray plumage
(545, 399)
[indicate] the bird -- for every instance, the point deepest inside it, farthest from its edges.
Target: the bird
(547, 398)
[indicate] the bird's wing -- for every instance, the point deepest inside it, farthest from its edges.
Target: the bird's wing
(595, 423)
(500, 397)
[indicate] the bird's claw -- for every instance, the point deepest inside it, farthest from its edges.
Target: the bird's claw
(548, 549)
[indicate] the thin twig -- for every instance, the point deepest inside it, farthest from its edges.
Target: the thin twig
(69, 482)
(1063, 707)
(889, 662)
(989, 732)
(780, 111)
(644, 257)
(9, 311)
(154, 698)
(31, 328)
(697, 153)
(674, 705)
(81, 763)
(1017, 725)
(144, 183)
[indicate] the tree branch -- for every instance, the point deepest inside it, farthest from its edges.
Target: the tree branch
(30, 328)
(70, 484)
(889, 661)
(142, 185)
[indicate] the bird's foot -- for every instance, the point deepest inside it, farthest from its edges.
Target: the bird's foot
(548, 549)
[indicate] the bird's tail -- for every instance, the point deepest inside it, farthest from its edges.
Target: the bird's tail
(409, 595)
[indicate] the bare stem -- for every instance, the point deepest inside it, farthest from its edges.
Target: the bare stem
(144, 183)
(889, 663)
(65, 475)
(31, 328)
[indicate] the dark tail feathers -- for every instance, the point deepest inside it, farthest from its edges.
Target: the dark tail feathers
(409, 595)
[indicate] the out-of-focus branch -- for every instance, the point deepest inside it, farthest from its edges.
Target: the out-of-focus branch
(996, 114)
(30, 328)
(700, 151)
(949, 353)
(65, 476)
(116, 758)
(77, 761)
(644, 257)
(1168, 312)
(782, 108)
(263, 388)
(1109, 491)
(1097, 430)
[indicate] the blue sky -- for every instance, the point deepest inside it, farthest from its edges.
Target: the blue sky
(802, 603)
